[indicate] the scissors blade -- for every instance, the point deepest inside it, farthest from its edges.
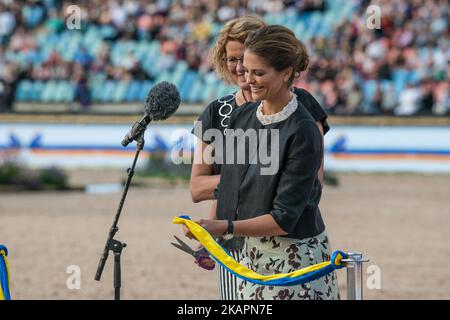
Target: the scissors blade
(176, 245)
(186, 247)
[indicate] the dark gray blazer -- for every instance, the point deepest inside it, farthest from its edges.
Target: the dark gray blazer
(292, 194)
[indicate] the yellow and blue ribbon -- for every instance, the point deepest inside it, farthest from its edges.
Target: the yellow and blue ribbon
(4, 274)
(222, 256)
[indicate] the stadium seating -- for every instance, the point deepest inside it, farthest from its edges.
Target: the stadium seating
(196, 86)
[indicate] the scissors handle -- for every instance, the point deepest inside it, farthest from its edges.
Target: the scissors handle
(205, 262)
(201, 256)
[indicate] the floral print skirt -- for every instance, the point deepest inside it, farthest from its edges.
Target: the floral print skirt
(273, 255)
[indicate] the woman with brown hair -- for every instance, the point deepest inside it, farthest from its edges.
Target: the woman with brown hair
(277, 214)
(228, 55)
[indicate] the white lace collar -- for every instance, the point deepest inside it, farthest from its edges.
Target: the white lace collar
(279, 116)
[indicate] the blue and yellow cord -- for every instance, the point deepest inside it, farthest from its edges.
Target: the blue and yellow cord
(4, 274)
(296, 277)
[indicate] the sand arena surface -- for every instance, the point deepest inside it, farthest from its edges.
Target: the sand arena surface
(400, 222)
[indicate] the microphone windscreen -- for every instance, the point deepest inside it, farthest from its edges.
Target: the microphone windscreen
(162, 101)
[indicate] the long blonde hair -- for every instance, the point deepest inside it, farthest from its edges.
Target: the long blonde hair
(234, 30)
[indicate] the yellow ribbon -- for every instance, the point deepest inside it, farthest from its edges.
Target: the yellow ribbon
(229, 262)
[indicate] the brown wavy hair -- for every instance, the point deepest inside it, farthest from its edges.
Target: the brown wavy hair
(234, 30)
(280, 49)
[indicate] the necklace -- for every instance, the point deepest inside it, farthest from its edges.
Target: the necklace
(243, 95)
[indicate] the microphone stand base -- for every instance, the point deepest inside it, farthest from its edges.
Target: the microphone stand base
(116, 247)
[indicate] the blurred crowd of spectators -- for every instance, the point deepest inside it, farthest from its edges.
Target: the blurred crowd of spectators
(413, 40)
(347, 68)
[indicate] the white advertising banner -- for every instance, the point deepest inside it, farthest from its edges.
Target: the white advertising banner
(347, 148)
(388, 149)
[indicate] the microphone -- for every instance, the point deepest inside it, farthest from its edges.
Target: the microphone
(162, 101)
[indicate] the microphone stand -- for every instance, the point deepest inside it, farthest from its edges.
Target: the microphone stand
(112, 244)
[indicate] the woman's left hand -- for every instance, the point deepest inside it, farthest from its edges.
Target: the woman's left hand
(214, 227)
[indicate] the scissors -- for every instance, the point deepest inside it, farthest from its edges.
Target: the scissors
(201, 256)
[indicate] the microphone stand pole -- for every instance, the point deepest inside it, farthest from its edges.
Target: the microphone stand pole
(112, 244)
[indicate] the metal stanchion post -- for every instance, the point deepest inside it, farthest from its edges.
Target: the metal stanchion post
(354, 275)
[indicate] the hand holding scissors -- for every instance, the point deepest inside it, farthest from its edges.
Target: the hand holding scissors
(201, 256)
